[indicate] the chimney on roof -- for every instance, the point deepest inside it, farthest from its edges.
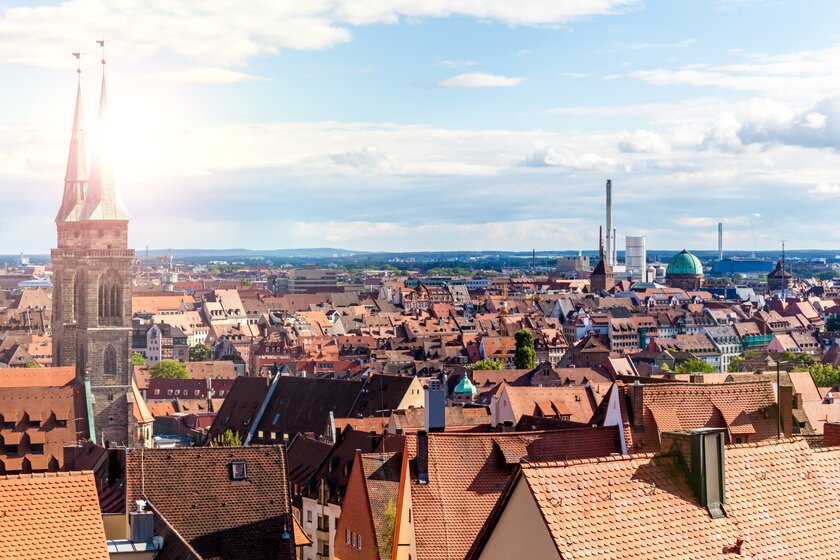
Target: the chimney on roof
(435, 406)
(422, 457)
(141, 524)
(701, 453)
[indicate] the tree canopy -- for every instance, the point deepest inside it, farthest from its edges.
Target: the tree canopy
(199, 352)
(694, 365)
(137, 359)
(489, 363)
(169, 369)
(525, 356)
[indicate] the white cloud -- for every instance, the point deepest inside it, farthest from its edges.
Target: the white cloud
(455, 63)
(565, 158)
(367, 159)
(643, 142)
(800, 76)
(644, 46)
(226, 34)
(814, 121)
(479, 80)
(825, 189)
(206, 76)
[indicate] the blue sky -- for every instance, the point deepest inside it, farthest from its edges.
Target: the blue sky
(432, 124)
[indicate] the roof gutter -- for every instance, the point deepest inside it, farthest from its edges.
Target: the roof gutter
(89, 406)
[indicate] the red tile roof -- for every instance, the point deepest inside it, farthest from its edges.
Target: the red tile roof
(780, 503)
(744, 408)
(53, 516)
(467, 473)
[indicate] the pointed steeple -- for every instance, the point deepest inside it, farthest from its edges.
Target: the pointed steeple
(603, 267)
(102, 201)
(76, 178)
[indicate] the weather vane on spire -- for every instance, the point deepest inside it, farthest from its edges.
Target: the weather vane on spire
(101, 43)
(78, 54)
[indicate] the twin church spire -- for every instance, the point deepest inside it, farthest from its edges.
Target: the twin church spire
(90, 196)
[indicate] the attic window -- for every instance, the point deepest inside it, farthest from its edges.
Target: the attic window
(238, 470)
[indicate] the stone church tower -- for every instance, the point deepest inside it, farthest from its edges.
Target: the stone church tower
(602, 278)
(92, 285)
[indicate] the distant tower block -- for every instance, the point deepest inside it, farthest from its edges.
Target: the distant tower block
(635, 258)
(720, 241)
(609, 227)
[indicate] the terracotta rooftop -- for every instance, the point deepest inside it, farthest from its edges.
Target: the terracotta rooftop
(468, 472)
(780, 503)
(745, 408)
(37, 377)
(53, 516)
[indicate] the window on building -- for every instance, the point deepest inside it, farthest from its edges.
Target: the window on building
(347, 536)
(61, 423)
(37, 448)
(11, 450)
(238, 470)
(309, 516)
(110, 361)
(34, 423)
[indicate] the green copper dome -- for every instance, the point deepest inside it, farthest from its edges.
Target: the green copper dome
(684, 263)
(465, 387)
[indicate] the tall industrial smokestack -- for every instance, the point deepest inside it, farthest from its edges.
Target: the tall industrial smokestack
(614, 249)
(720, 241)
(609, 221)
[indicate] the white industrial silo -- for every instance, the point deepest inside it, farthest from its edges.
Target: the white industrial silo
(635, 257)
(660, 273)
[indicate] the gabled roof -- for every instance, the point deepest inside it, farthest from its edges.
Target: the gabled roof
(575, 401)
(688, 406)
(468, 472)
(220, 518)
(779, 504)
(303, 404)
(52, 516)
(382, 477)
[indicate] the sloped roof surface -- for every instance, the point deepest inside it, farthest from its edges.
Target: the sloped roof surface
(53, 516)
(780, 503)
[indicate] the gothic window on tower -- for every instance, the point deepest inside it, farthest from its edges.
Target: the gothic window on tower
(110, 361)
(110, 298)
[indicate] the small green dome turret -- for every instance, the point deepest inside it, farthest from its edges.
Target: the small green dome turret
(465, 387)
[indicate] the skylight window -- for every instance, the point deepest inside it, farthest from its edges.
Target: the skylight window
(238, 470)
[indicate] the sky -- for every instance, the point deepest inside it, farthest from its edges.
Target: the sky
(409, 125)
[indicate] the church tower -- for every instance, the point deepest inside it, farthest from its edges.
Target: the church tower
(92, 283)
(602, 278)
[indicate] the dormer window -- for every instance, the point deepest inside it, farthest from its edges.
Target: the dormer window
(238, 471)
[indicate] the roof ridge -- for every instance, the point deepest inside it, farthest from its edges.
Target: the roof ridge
(592, 460)
(497, 434)
(38, 475)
